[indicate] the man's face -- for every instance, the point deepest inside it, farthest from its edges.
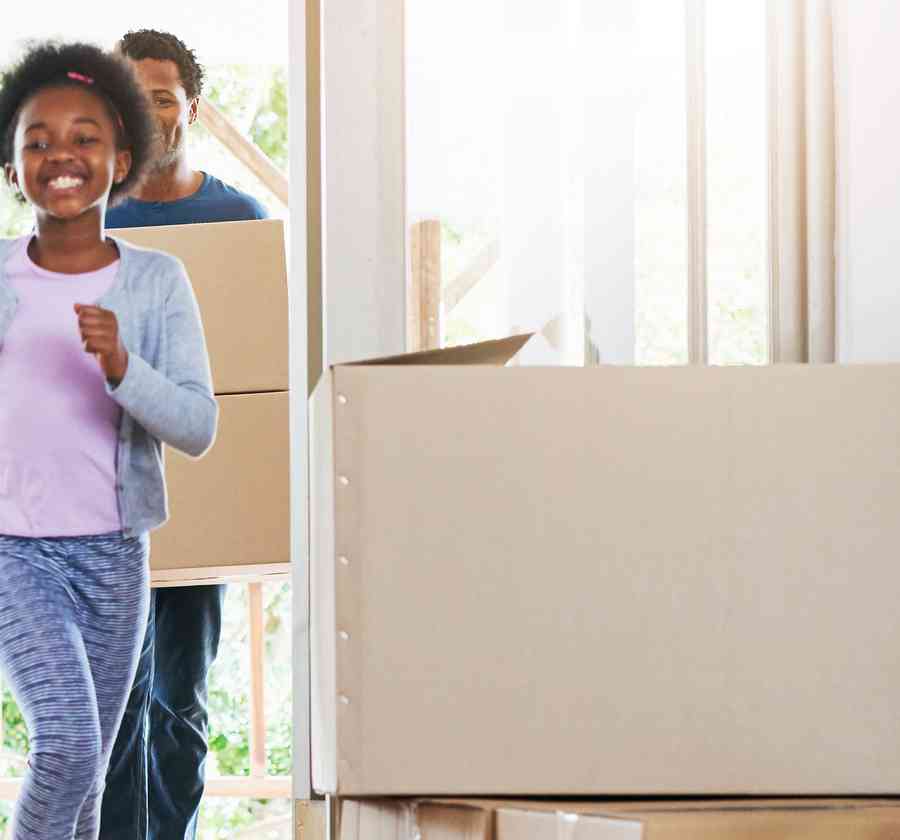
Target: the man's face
(174, 112)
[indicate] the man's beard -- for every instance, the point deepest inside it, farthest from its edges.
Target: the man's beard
(165, 152)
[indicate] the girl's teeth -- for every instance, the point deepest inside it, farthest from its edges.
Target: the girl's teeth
(65, 183)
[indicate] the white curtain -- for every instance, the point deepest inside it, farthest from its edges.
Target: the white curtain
(802, 180)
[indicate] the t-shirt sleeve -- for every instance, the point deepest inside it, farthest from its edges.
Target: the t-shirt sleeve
(255, 209)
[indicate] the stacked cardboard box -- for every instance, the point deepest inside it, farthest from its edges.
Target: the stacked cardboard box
(230, 510)
(607, 582)
(524, 820)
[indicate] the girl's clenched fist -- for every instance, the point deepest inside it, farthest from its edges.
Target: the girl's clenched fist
(100, 335)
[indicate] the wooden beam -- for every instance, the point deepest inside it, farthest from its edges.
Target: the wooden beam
(424, 293)
(257, 681)
(232, 787)
(471, 276)
(311, 819)
(245, 150)
(244, 787)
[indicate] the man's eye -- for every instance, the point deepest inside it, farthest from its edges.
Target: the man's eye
(36, 145)
(85, 141)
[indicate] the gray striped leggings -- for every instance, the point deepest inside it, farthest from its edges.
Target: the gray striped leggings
(73, 612)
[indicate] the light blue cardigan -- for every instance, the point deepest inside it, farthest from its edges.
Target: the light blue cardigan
(166, 394)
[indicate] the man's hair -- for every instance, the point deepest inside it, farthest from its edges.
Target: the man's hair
(88, 68)
(163, 46)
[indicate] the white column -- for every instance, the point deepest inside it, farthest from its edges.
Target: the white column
(364, 179)
(297, 279)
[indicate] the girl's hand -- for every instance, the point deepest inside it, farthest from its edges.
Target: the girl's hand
(100, 334)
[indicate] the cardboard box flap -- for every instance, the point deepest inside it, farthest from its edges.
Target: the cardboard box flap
(496, 352)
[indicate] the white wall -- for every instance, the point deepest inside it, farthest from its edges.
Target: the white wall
(868, 248)
(238, 31)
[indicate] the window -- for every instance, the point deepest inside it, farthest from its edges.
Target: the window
(559, 155)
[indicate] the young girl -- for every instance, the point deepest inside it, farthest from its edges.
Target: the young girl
(102, 359)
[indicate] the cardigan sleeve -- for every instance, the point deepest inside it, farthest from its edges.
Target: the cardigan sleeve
(176, 406)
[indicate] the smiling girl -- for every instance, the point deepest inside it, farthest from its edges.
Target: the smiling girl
(102, 360)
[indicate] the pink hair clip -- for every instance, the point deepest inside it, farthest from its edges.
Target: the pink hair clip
(80, 77)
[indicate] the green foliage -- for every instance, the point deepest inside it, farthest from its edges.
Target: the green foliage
(15, 217)
(15, 735)
(255, 98)
(269, 129)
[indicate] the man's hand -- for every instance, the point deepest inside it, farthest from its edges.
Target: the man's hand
(100, 335)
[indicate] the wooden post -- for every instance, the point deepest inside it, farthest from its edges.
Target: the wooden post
(311, 819)
(257, 684)
(423, 330)
(2, 729)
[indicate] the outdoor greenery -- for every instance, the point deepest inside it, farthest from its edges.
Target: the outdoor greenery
(255, 98)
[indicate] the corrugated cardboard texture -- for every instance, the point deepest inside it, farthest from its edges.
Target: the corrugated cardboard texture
(239, 276)
(231, 507)
(617, 580)
(537, 820)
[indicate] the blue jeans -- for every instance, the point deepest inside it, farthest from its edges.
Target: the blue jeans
(156, 773)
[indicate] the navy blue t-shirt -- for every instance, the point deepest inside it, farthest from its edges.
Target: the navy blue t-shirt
(215, 201)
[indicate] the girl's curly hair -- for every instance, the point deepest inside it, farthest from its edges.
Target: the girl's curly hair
(48, 65)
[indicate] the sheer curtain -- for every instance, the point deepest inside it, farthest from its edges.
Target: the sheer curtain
(802, 174)
(520, 123)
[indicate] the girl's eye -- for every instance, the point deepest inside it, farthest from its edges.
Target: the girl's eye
(36, 145)
(85, 141)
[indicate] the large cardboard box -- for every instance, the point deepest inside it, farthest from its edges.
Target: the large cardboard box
(238, 273)
(534, 820)
(605, 581)
(230, 510)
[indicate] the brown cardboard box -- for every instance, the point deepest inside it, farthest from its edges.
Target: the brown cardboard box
(605, 581)
(522, 820)
(230, 510)
(238, 273)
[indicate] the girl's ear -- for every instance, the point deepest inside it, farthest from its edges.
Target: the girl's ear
(12, 177)
(123, 165)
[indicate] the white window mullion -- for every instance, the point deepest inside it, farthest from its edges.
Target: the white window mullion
(695, 33)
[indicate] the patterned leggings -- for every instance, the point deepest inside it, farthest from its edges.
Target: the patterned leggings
(73, 611)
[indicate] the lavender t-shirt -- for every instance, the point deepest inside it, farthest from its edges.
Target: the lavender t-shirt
(58, 426)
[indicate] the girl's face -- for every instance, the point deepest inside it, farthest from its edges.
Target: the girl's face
(65, 154)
